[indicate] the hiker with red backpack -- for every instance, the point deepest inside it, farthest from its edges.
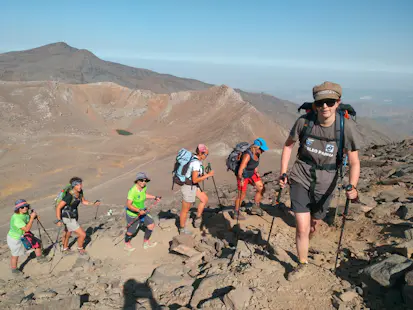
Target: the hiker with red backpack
(67, 213)
(137, 214)
(326, 135)
(244, 161)
(20, 238)
(189, 173)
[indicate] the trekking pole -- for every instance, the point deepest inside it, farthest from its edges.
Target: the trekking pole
(207, 170)
(54, 245)
(340, 187)
(277, 202)
(97, 209)
(138, 218)
(238, 229)
(347, 188)
(44, 229)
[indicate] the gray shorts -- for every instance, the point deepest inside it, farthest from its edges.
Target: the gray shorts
(16, 246)
(147, 220)
(70, 224)
(301, 201)
(189, 193)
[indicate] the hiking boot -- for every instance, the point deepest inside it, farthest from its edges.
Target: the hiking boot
(184, 231)
(197, 222)
(42, 259)
(147, 245)
(298, 272)
(238, 215)
(67, 251)
(82, 251)
(256, 210)
(16, 272)
(128, 247)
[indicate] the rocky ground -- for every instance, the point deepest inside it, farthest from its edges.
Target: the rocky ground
(211, 270)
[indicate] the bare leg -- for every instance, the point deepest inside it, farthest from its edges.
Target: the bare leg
(184, 213)
(13, 262)
(303, 222)
(202, 196)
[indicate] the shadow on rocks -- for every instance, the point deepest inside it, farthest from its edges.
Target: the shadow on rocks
(132, 291)
(374, 295)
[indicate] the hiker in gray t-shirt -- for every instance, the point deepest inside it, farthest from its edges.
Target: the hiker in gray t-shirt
(314, 175)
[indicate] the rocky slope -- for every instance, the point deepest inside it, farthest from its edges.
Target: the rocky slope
(212, 271)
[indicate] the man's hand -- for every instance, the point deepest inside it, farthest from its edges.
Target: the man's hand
(352, 193)
(142, 212)
(96, 203)
(283, 180)
(59, 223)
(158, 198)
(211, 173)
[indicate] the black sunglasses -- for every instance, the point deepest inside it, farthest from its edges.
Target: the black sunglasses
(26, 206)
(145, 180)
(329, 102)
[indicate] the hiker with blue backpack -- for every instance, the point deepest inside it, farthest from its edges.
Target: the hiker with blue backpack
(67, 213)
(20, 238)
(137, 214)
(244, 161)
(189, 173)
(326, 134)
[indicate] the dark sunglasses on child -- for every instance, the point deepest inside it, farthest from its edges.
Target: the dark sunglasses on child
(145, 180)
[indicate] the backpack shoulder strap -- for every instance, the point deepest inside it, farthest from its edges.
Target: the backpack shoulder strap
(308, 126)
(339, 134)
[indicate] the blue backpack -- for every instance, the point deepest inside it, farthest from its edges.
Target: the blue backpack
(183, 159)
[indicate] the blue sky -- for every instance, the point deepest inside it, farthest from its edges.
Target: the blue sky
(282, 47)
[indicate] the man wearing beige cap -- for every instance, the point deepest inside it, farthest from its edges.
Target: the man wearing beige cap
(325, 136)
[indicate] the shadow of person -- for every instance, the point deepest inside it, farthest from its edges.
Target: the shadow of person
(132, 291)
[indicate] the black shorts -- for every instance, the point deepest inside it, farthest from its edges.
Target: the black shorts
(147, 220)
(301, 201)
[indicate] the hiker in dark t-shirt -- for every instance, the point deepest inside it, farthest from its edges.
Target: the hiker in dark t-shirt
(314, 174)
(67, 214)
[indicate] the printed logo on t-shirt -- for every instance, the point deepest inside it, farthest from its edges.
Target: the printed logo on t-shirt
(309, 141)
(330, 148)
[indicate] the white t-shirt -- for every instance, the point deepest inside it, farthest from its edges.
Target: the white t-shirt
(195, 165)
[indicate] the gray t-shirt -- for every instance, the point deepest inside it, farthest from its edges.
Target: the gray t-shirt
(321, 152)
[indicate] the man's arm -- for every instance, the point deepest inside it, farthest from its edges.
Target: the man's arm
(354, 173)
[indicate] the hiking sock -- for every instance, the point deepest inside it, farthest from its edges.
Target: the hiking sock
(127, 238)
(147, 235)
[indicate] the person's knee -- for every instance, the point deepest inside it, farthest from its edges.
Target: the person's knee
(303, 230)
(204, 199)
(259, 188)
(151, 226)
(81, 234)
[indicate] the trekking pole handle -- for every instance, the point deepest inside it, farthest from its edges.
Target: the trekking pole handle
(282, 177)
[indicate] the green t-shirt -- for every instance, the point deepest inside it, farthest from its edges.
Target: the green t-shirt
(18, 221)
(138, 199)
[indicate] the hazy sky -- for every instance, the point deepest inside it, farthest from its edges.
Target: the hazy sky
(274, 46)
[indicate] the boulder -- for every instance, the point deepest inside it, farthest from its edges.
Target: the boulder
(405, 248)
(210, 287)
(383, 210)
(238, 299)
(405, 211)
(242, 250)
(391, 195)
(68, 303)
(388, 271)
(166, 279)
(184, 244)
(348, 296)
(408, 234)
